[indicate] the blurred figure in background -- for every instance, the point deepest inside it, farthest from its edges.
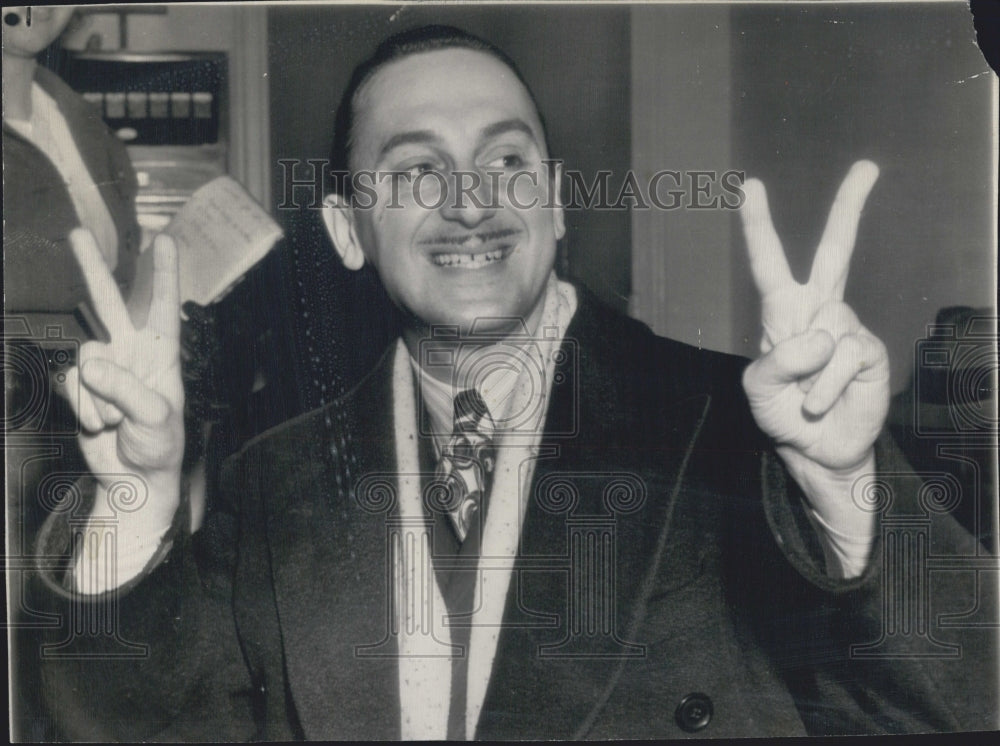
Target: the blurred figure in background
(63, 168)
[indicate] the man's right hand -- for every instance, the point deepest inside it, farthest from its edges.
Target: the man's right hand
(131, 400)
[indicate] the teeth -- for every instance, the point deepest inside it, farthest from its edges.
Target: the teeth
(469, 261)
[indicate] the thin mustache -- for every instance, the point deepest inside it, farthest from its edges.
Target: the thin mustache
(483, 236)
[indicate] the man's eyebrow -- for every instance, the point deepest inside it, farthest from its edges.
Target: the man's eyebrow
(514, 124)
(507, 125)
(406, 138)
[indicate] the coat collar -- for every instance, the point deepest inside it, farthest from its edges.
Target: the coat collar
(331, 569)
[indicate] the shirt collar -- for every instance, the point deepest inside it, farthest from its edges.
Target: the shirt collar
(498, 381)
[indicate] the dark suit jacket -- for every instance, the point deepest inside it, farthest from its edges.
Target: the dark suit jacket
(273, 620)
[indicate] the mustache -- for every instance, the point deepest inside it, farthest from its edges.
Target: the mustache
(459, 239)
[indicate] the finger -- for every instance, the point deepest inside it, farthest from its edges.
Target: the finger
(767, 258)
(806, 384)
(82, 403)
(108, 414)
(836, 318)
(164, 309)
(854, 356)
(140, 295)
(790, 360)
(833, 257)
(104, 293)
(121, 388)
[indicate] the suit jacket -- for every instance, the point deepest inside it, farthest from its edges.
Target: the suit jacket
(705, 608)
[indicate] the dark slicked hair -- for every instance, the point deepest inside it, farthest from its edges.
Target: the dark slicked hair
(397, 47)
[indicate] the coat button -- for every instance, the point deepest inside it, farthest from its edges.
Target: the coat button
(694, 713)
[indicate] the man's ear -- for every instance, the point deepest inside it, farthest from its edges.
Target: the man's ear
(559, 218)
(339, 222)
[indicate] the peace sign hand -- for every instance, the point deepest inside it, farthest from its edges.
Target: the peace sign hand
(132, 398)
(821, 386)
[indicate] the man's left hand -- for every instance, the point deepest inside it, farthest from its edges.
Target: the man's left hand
(821, 385)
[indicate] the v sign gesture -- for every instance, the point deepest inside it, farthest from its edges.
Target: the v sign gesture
(821, 386)
(132, 398)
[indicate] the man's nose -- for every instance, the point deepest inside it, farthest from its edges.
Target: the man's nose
(470, 199)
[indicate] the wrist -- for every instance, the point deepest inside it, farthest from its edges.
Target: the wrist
(830, 492)
(142, 517)
(149, 500)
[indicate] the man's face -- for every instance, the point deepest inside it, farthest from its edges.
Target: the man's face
(442, 121)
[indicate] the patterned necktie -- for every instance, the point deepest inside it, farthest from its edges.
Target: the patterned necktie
(467, 461)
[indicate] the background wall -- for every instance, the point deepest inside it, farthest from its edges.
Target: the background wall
(815, 88)
(682, 121)
(793, 94)
(189, 27)
(238, 29)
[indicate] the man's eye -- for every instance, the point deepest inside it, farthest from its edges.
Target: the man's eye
(507, 161)
(418, 168)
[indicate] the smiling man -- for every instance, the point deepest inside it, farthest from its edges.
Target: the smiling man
(534, 518)
(444, 231)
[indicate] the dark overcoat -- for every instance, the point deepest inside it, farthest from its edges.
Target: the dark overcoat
(714, 616)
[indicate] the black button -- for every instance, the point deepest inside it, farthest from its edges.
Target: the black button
(694, 713)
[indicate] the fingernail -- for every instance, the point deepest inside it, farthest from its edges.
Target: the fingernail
(869, 166)
(753, 188)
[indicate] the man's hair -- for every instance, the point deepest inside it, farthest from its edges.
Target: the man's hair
(397, 47)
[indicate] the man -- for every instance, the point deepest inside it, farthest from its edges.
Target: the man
(534, 518)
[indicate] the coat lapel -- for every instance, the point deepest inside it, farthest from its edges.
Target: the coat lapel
(331, 574)
(595, 528)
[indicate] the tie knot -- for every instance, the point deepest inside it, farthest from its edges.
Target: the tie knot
(472, 414)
